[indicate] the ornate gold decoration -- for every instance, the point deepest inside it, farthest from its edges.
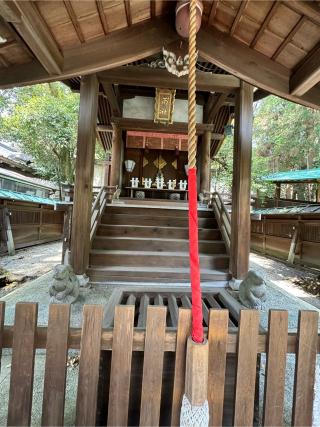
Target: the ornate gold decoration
(160, 163)
(145, 161)
(163, 106)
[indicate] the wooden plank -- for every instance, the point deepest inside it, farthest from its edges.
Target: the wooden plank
(82, 204)
(116, 166)
(131, 300)
(213, 11)
(241, 196)
(112, 98)
(102, 16)
(214, 110)
(56, 365)
(173, 309)
(186, 301)
(2, 311)
(231, 304)
(22, 364)
(115, 299)
(305, 368)
(250, 65)
(205, 312)
(289, 37)
(158, 300)
(150, 77)
(121, 366)
(30, 25)
(246, 368)
(293, 245)
(153, 366)
(8, 231)
(150, 126)
(128, 12)
(123, 47)
(217, 338)
(89, 365)
(144, 302)
(183, 331)
(275, 368)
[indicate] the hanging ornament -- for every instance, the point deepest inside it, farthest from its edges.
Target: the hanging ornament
(176, 58)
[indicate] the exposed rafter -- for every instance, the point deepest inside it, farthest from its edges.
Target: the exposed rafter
(250, 65)
(289, 37)
(265, 23)
(213, 11)
(74, 20)
(308, 8)
(219, 102)
(243, 5)
(102, 16)
(30, 25)
(150, 77)
(119, 48)
(307, 74)
(152, 9)
(128, 12)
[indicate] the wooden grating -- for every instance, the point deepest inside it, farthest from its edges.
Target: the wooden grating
(143, 376)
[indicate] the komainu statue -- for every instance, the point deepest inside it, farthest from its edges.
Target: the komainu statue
(252, 291)
(65, 285)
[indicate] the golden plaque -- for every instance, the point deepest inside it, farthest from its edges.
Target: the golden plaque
(164, 104)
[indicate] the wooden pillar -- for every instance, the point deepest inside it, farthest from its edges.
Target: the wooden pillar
(277, 193)
(116, 156)
(205, 162)
(318, 192)
(241, 197)
(82, 205)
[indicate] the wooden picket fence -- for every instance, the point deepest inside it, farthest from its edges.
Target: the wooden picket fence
(153, 343)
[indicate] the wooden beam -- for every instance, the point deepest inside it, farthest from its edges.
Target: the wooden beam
(150, 126)
(243, 5)
(220, 100)
(102, 16)
(289, 37)
(152, 9)
(260, 94)
(81, 218)
(116, 156)
(265, 23)
(104, 128)
(128, 12)
(205, 162)
(116, 49)
(30, 25)
(307, 74)
(213, 11)
(251, 66)
(74, 20)
(113, 100)
(241, 198)
(150, 77)
(307, 8)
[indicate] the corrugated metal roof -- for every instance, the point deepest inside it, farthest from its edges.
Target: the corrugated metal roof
(289, 176)
(14, 195)
(288, 210)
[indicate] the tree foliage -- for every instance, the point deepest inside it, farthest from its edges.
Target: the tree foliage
(286, 136)
(43, 120)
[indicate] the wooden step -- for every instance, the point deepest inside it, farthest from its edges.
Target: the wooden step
(99, 257)
(156, 244)
(151, 210)
(159, 275)
(154, 232)
(153, 220)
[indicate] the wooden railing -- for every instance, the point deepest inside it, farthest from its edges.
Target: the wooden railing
(163, 360)
(98, 206)
(223, 218)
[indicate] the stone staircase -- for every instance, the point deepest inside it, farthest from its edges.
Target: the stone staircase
(149, 243)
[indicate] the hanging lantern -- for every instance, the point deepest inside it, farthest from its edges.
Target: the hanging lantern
(129, 165)
(182, 17)
(228, 130)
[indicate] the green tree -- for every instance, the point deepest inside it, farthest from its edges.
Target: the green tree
(43, 119)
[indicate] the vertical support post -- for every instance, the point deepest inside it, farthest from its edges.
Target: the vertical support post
(318, 192)
(277, 193)
(82, 205)
(205, 162)
(241, 197)
(116, 156)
